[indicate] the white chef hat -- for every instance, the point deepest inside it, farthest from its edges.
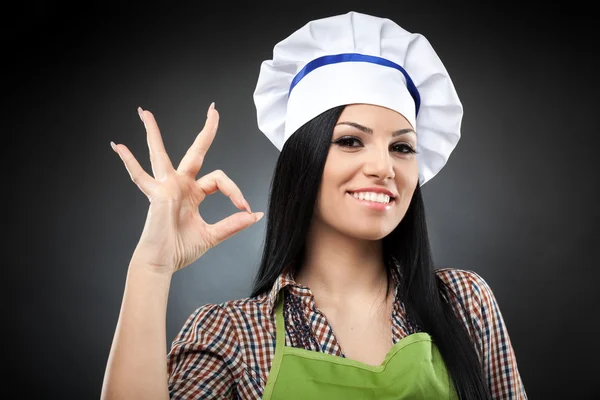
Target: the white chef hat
(357, 58)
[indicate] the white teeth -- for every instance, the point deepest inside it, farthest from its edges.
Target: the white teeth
(374, 197)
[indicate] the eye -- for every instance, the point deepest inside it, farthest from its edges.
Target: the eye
(408, 149)
(348, 141)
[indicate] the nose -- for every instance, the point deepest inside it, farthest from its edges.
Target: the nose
(379, 164)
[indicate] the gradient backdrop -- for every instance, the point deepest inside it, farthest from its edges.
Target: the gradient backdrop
(517, 201)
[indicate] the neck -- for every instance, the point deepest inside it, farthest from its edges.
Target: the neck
(340, 269)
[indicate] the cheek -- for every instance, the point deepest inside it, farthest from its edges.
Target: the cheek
(336, 172)
(407, 176)
(331, 191)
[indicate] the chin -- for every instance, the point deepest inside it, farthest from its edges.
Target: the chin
(368, 234)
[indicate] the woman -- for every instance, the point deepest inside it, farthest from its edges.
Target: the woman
(346, 302)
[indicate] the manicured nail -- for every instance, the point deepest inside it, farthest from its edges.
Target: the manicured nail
(259, 216)
(114, 147)
(212, 107)
(247, 205)
(140, 113)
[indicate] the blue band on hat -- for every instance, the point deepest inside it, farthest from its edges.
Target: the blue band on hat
(346, 57)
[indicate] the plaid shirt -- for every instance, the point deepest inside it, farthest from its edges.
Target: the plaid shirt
(224, 351)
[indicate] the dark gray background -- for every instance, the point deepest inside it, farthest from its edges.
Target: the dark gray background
(517, 201)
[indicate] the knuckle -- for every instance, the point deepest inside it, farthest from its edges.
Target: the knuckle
(220, 173)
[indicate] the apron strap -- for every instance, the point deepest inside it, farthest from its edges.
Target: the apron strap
(279, 345)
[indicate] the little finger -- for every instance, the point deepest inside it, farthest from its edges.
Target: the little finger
(137, 174)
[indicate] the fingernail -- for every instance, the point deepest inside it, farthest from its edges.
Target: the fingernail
(212, 107)
(259, 216)
(140, 113)
(247, 205)
(114, 147)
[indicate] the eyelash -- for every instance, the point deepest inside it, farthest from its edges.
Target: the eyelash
(350, 139)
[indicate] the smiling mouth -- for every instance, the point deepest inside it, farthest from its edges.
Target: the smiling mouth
(368, 200)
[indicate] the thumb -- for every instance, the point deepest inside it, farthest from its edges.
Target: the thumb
(233, 224)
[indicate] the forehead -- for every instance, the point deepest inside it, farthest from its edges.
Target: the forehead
(374, 117)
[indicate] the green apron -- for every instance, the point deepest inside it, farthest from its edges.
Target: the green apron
(412, 369)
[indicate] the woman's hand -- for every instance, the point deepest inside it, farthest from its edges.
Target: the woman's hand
(175, 235)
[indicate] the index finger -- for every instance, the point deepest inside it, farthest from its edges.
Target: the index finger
(192, 161)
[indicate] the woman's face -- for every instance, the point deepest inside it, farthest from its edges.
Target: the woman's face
(372, 148)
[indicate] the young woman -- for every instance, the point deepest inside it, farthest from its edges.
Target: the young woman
(346, 302)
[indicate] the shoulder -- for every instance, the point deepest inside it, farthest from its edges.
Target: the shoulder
(228, 315)
(234, 323)
(471, 298)
(208, 357)
(207, 325)
(464, 284)
(219, 333)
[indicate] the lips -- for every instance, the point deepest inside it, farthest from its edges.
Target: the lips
(374, 189)
(373, 204)
(370, 191)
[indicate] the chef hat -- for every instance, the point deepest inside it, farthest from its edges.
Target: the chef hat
(357, 58)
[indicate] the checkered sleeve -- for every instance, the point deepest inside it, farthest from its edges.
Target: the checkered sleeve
(475, 302)
(204, 358)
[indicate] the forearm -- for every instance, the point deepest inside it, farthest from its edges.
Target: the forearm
(137, 366)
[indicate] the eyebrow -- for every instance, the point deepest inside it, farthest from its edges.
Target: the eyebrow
(370, 131)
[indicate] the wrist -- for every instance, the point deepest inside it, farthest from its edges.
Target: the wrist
(142, 264)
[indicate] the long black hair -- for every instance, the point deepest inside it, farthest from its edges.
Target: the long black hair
(294, 188)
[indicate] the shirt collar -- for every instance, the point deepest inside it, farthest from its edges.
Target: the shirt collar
(286, 279)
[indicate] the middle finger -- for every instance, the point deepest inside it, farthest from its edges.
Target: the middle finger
(161, 164)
